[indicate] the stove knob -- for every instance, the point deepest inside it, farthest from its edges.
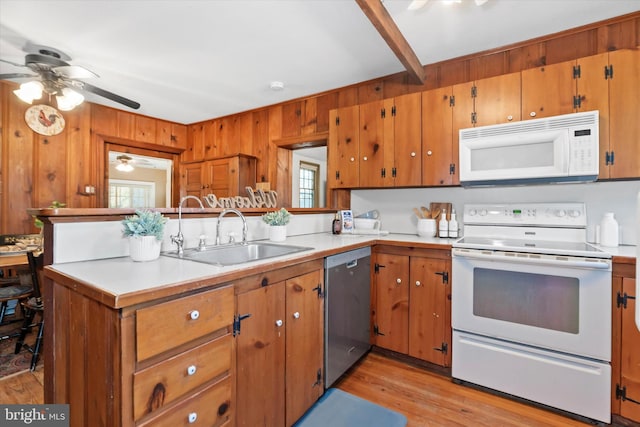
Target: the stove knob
(483, 212)
(472, 212)
(573, 213)
(561, 213)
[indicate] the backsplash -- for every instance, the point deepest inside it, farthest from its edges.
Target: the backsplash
(396, 215)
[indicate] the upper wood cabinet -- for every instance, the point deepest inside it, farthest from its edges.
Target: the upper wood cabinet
(390, 142)
(624, 110)
(438, 161)
(343, 150)
(548, 91)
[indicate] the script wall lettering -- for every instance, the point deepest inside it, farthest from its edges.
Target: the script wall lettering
(255, 199)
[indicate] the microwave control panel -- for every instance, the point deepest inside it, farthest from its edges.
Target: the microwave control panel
(583, 151)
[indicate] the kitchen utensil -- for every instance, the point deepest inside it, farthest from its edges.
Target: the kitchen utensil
(418, 213)
(426, 213)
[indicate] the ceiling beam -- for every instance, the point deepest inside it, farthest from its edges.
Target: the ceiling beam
(380, 18)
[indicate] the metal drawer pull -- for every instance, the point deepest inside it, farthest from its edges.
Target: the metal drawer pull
(191, 370)
(193, 417)
(278, 323)
(296, 315)
(194, 314)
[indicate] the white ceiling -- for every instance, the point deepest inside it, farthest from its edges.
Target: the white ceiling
(193, 60)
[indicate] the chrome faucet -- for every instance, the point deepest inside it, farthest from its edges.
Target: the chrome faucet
(244, 224)
(178, 239)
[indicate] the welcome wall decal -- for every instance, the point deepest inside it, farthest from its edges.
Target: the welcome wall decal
(255, 199)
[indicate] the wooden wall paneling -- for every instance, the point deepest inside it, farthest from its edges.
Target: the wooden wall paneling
(3, 109)
(571, 46)
(490, 65)
(221, 136)
(179, 135)
(283, 182)
(241, 134)
(104, 120)
(324, 103)
(195, 144)
(309, 116)
(210, 141)
(291, 119)
(275, 133)
(163, 132)
(370, 91)
(145, 129)
(397, 85)
(18, 156)
(126, 125)
(452, 73)
(347, 96)
(260, 146)
(50, 168)
(80, 159)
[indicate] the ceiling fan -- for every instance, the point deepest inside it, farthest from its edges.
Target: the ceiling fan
(55, 76)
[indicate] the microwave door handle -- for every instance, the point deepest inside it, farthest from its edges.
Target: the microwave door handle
(537, 260)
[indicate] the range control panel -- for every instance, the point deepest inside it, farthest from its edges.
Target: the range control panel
(572, 215)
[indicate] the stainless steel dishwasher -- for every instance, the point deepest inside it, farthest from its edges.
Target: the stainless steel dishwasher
(347, 311)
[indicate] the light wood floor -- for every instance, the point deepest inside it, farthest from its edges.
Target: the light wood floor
(431, 399)
(424, 397)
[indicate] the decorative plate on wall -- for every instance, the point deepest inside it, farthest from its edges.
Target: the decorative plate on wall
(44, 120)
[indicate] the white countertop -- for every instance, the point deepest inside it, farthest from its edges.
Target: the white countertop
(121, 276)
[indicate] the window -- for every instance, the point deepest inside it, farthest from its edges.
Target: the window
(309, 184)
(131, 194)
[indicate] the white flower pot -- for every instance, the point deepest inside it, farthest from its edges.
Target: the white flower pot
(277, 233)
(144, 248)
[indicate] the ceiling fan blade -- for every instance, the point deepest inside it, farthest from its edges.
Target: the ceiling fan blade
(106, 94)
(74, 72)
(16, 76)
(12, 63)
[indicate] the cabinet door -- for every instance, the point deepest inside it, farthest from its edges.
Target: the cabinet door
(630, 354)
(548, 91)
(593, 94)
(437, 137)
(407, 141)
(343, 151)
(305, 338)
(192, 182)
(427, 317)
(392, 302)
(497, 99)
(261, 357)
(372, 144)
(624, 88)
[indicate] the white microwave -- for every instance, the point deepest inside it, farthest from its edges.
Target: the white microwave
(553, 149)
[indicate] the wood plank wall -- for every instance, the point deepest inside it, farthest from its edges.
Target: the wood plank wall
(35, 170)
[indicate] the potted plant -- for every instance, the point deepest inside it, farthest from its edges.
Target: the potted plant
(277, 221)
(145, 230)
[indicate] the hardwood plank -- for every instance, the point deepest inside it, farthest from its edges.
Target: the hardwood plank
(430, 399)
(23, 388)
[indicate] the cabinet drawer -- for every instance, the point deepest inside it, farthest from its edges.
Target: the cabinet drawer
(170, 324)
(209, 407)
(167, 381)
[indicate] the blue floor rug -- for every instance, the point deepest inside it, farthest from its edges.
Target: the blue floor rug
(337, 408)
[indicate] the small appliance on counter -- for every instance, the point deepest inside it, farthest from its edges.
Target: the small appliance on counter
(347, 221)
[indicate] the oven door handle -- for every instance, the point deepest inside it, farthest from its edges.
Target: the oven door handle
(535, 259)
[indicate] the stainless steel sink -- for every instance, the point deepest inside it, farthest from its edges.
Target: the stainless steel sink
(237, 253)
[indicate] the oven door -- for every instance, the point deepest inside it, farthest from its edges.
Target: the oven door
(559, 303)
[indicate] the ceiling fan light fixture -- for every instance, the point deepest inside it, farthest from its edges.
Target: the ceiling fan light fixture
(69, 99)
(29, 91)
(417, 4)
(123, 164)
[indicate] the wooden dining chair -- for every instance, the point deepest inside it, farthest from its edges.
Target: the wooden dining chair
(33, 307)
(18, 287)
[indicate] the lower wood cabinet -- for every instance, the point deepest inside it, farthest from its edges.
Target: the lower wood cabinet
(625, 360)
(412, 302)
(164, 362)
(279, 345)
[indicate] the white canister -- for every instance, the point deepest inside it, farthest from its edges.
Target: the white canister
(609, 231)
